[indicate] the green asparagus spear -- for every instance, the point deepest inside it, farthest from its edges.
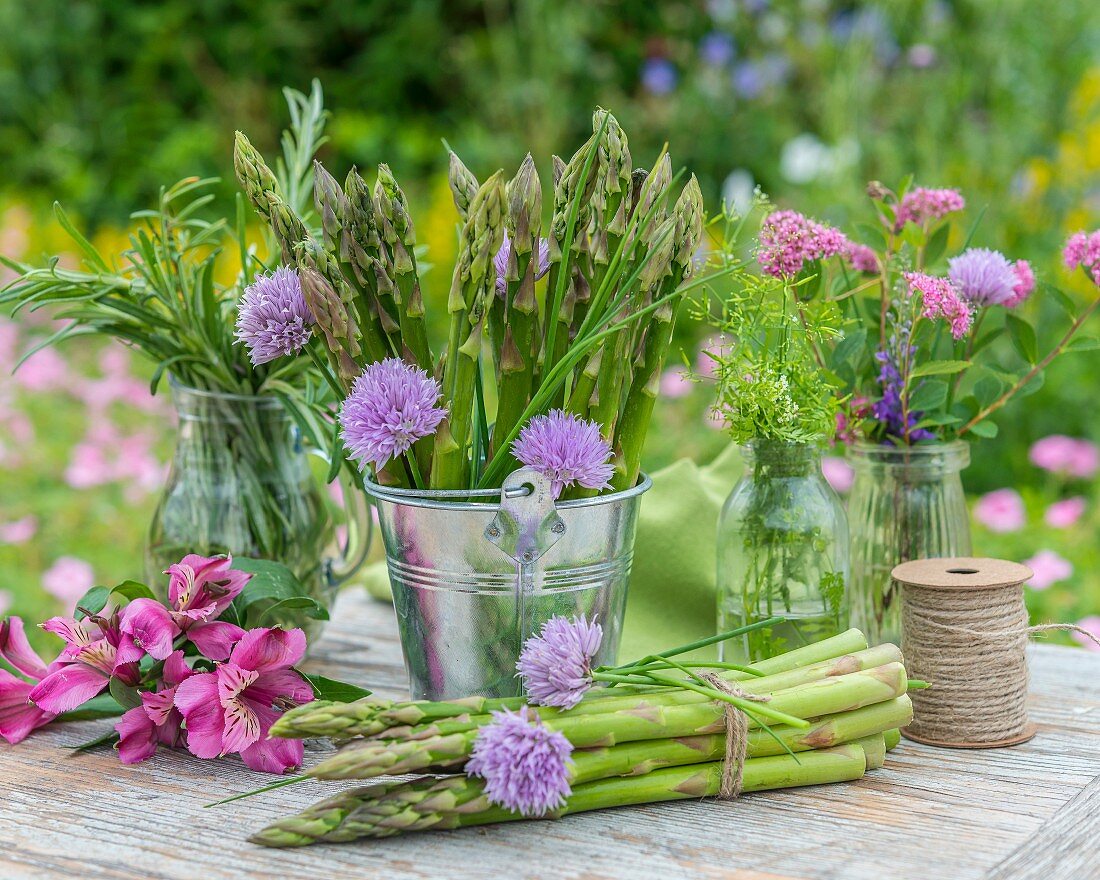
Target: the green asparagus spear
(456, 801)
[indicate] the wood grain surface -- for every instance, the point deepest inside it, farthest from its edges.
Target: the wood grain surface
(1028, 811)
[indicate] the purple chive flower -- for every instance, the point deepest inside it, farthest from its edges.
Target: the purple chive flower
(273, 319)
(500, 262)
(556, 665)
(567, 449)
(391, 406)
(983, 277)
(524, 763)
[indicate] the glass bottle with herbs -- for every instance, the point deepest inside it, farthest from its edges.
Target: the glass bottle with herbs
(782, 534)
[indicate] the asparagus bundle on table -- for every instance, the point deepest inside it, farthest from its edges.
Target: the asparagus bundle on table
(649, 737)
(590, 341)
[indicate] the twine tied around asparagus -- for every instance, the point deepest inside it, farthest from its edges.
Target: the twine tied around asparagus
(737, 735)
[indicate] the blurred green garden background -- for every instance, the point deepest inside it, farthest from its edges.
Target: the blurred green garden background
(102, 102)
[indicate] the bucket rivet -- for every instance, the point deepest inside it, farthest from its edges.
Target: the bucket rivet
(493, 532)
(558, 527)
(528, 555)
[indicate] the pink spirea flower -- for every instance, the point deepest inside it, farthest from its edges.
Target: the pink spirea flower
(1048, 569)
(861, 257)
(1025, 284)
(500, 262)
(156, 721)
(18, 715)
(556, 665)
(1001, 511)
(921, 205)
(68, 579)
(1066, 456)
(1090, 624)
(983, 277)
(200, 588)
(568, 450)
(231, 710)
(95, 651)
(19, 531)
(940, 299)
(838, 472)
(1083, 249)
(273, 319)
(524, 763)
(1065, 514)
(391, 406)
(674, 384)
(788, 240)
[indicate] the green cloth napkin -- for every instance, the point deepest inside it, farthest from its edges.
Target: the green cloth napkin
(671, 600)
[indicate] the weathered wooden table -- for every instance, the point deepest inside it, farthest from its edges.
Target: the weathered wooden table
(1029, 811)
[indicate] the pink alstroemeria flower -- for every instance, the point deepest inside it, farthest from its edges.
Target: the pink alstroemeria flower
(18, 715)
(200, 588)
(156, 721)
(94, 652)
(232, 709)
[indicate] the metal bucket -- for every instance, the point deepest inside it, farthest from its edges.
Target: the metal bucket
(473, 578)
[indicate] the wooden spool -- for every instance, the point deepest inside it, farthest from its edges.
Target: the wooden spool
(962, 573)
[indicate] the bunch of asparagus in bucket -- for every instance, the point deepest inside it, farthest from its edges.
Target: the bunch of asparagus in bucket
(654, 730)
(572, 324)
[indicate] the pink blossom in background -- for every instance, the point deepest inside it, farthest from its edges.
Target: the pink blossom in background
(1064, 514)
(674, 384)
(714, 419)
(838, 472)
(705, 365)
(68, 579)
(1001, 511)
(45, 370)
(18, 531)
(1069, 456)
(1049, 568)
(87, 467)
(1092, 625)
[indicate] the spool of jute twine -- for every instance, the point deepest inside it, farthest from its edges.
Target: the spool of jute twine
(965, 631)
(737, 735)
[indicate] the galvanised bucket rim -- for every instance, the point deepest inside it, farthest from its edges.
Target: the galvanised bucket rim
(443, 499)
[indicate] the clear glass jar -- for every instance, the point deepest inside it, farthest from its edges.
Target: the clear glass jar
(241, 483)
(907, 502)
(782, 551)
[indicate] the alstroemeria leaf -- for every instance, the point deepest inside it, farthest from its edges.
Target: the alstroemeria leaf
(331, 689)
(130, 590)
(103, 706)
(310, 607)
(128, 697)
(110, 736)
(92, 602)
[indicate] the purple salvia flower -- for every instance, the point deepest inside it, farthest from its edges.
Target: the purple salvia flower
(273, 319)
(500, 262)
(391, 406)
(556, 665)
(567, 449)
(889, 410)
(983, 277)
(524, 763)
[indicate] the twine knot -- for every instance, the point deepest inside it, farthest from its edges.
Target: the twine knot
(737, 734)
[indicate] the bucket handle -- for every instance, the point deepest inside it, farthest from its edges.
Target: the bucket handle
(527, 524)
